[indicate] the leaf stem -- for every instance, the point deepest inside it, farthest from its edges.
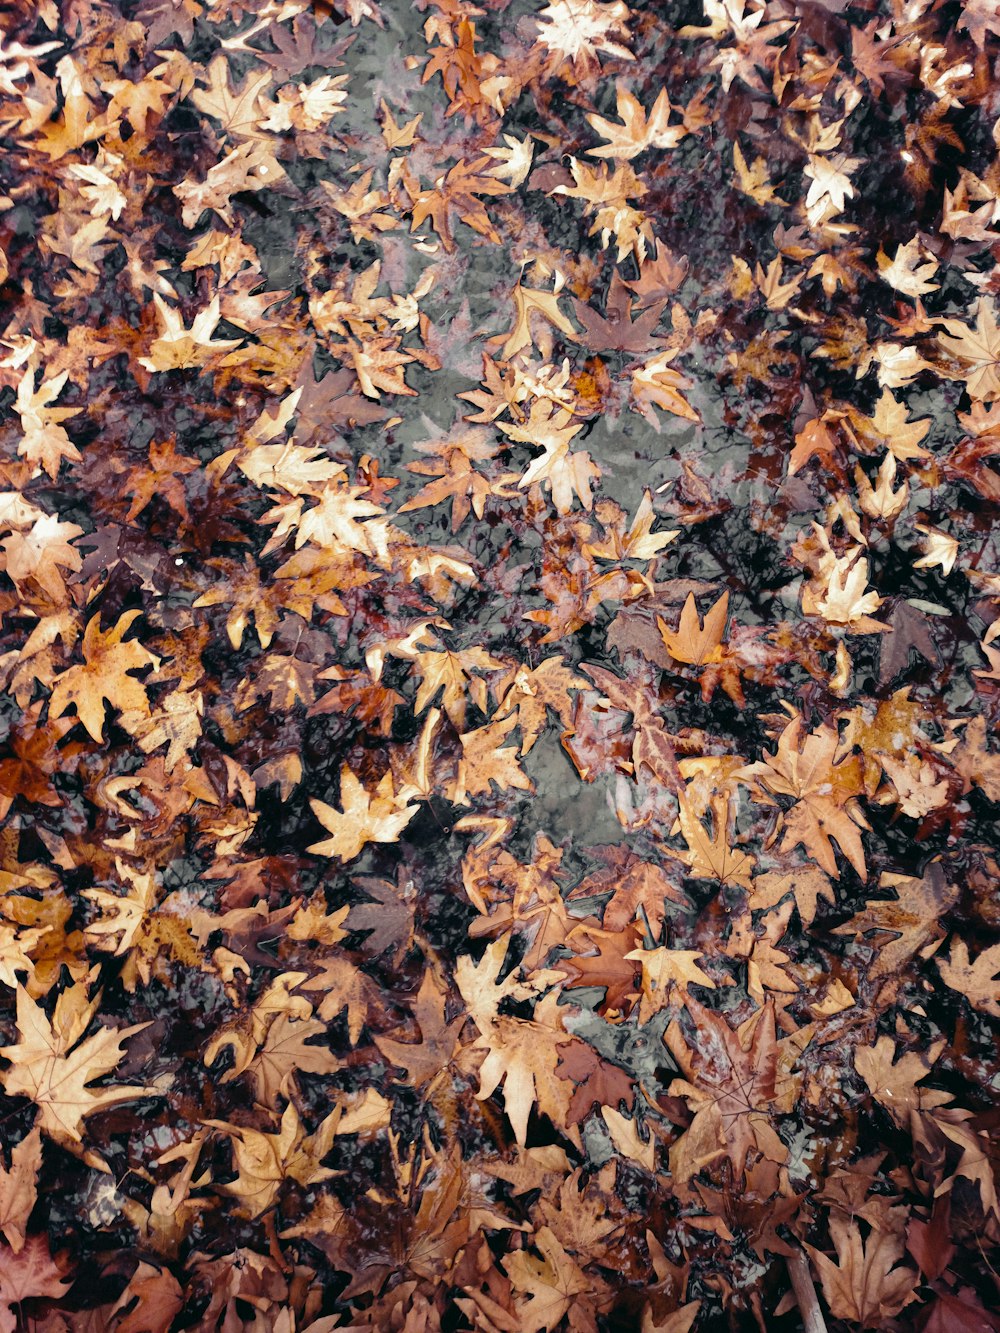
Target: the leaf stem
(805, 1293)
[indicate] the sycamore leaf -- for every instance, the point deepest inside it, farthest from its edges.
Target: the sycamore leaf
(48, 1066)
(27, 1274)
(364, 817)
(709, 855)
(19, 1189)
(104, 675)
(894, 1085)
(865, 1285)
(523, 1056)
(550, 1286)
(977, 349)
(528, 301)
(636, 133)
(265, 1161)
(978, 980)
(180, 348)
(695, 642)
(485, 760)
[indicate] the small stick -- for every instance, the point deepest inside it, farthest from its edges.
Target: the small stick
(805, 1293)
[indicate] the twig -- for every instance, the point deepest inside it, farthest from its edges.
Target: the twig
(805, 1293)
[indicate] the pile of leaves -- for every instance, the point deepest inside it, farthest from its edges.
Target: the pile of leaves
(498, 665)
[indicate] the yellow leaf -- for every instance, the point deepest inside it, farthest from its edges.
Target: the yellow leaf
(364, 818)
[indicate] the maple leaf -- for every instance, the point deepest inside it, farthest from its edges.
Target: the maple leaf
(522, 1055)
(458, 192)
(364, 818)
(912, 920)
(941, 550)
(55, 136)
(249, 167)
(627, 1139)
(607, 196)
(287, 1049)
(265, 1161)
(455, 477)
(656, 383)
(910, 632)
(974, 763)
(894, 1085)
(840, 597)
(905, 272)
(27, 1274)
(239, 111)
(665, 969)
(825, 786)
(425, 1060)
(637, 132)
(150, 1302)
(979, 17)
(754, 180)
(18, 1188)
(389, 917)
(730, 1087)
(882, 502)
(601, 958)
(639, 542)
(553, 1284)
(577, 29)
(515, 159)
(138, 926)
(865, 1285)
(378, 363)
(566, 474)
(483, 990)
(531, 693)
(528, 301)
(177, 723)
(179, 348)
(830, 183)
(41, 554)
(815, 439)
(398, 136)
(976, 980)
(485, 760)
(49, 1067)
(709, 856)
(44, 441)
(694, 642)
(616, 330)
(807, 883)
(104, 675)
(450, 672)
(977, 349)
